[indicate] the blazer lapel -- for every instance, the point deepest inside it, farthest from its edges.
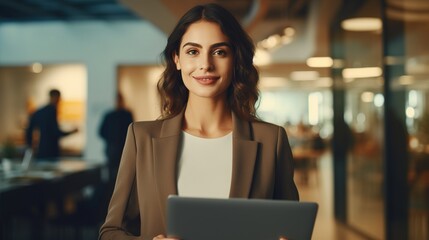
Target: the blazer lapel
(166, 149)
(243, 159)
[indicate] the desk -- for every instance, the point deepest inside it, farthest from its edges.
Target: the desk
(41, 183)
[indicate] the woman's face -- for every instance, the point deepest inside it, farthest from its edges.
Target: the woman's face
(205, 60)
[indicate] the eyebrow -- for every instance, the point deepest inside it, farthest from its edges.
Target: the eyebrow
(220, 44)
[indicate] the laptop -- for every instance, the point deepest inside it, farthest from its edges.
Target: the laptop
(20, 170)
(26, 159)
(190, 218)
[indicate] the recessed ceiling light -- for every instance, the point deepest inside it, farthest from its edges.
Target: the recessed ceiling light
(367, 96)
(362, 24)
(304, 75)
(406, 80)
(365, 72)
(261, 57)
(289, 31)
(320, 62)
(272, 82)
(36, 67)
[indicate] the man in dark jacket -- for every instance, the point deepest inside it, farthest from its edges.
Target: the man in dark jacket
(113, 130)
(45, 120)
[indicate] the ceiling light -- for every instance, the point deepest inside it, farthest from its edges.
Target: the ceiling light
(406, 80)
(367, 97)
(378, 100)
(261, 57)
(289, 31)
(272, 82)
(320, 62)
(273, 40)
(286, 40)
(410, 112)
(36, 67)
(277, 39)
(304, 75)
(365, 72)
(413, 98)
(362, 24)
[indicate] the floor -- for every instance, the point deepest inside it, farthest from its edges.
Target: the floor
(318, 187)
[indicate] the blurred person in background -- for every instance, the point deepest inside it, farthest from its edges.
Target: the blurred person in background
(45, 120)
(113, 130)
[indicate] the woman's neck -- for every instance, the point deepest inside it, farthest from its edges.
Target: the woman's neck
(207, 118)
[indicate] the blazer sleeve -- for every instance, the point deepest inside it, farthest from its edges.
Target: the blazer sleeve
(123, 219)
(285, 187)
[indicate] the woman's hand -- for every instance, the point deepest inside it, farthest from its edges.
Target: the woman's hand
(162, 237)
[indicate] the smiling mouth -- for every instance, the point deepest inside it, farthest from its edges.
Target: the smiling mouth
(206, 80)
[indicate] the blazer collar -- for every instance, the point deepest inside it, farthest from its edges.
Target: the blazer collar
(244, 157)
(167, 148)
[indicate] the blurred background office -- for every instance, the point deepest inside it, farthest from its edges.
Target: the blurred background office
(348, 79)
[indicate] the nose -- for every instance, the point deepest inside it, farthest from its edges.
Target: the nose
(206, 62)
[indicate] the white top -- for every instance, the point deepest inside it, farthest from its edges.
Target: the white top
(205, 166)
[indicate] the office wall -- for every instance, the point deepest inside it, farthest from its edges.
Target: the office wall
(100, 45)
(22, 91)
(139, 86)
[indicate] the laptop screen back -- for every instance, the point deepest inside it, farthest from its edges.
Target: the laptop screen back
(26, 160)
(250, 219)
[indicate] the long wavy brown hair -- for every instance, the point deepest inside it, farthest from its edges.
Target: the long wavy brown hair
(242, 94)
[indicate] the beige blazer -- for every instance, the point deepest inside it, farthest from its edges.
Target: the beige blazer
(262, 168)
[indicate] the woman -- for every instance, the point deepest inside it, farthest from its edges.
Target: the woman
(208, 90)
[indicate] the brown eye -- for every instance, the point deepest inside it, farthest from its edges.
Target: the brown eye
(192, 52)
(220, 52)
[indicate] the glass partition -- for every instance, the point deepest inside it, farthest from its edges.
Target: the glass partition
(381, 92)
(415, 84)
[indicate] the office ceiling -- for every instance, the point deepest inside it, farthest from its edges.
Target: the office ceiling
(162, 13)
(65, 10)
(261, 18)
(252, 13)
(71, 10)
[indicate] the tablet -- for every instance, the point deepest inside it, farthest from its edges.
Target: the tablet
(190, 218)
